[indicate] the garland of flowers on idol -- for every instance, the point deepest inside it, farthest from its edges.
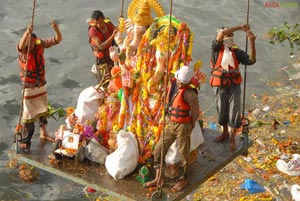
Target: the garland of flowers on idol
(147, 123)
(142, 121)
(146, 64)
(101, 133)
(149, 136)
(183, 53)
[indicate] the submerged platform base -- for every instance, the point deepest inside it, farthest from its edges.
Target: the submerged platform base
(210, 159)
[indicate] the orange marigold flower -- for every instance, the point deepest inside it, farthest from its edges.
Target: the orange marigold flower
(70, 110)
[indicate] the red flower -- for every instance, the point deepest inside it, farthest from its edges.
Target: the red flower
(100, 55)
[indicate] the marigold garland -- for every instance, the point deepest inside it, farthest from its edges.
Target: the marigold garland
(146, 120)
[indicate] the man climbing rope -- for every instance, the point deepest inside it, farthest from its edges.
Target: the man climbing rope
(180, 121)
(32, 72)
(226, 79)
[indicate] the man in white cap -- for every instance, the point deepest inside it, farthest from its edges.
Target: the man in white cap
(180, 120)
(226, 79)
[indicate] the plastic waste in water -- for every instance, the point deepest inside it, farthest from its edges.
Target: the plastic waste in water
(248, 159)
(256, 112)
(260, 142)
(266, 109)
(292, 167)
(189, 198)
(213, 126)
(252, 186)
(294, 163)
(283, 132)
(295, 191)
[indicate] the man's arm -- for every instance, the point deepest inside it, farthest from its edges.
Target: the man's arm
(58, 35)
(57, 38)
(242, 56)
(190, 96)
(229, 31)
(252, 38)
(23, 41)
(103, 45)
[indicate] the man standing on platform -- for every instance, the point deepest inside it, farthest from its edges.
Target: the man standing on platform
(32, 72)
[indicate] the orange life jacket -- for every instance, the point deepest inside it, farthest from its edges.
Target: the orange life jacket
(103, 37)
(180, 110)
(34, 74)
(220, 77)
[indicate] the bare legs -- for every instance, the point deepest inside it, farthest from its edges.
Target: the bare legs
(44, 135)
(158, 182)
(225, 135)
(155, 182)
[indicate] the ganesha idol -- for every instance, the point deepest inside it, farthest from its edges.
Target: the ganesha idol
(139, 19)
(151, 50)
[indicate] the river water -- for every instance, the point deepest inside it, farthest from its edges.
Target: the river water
(68, 65)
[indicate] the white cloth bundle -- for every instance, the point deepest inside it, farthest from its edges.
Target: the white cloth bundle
(125, 158)
(87, 104)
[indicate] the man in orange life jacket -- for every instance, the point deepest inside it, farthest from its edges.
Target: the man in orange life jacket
(226, 79)
(180, 121)
(101, 38)
(32, 72)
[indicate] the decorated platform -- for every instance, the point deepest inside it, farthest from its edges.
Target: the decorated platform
(211, 158)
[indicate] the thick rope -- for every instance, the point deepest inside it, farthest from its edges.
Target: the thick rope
(165, 94)
(245, 73)
(27, 56)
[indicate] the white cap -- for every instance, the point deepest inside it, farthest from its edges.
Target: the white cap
(184, 74)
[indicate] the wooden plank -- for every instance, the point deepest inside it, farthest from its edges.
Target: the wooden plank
(211, 158)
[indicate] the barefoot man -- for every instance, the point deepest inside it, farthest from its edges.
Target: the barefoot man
(226, 79)
(32, 72)
(180, 121)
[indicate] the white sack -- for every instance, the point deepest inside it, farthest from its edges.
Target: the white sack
(88, 104)
(173, 156)
(125, 158)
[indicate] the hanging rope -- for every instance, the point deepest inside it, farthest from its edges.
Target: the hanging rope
(27, 56)
(166, 79)
(121, 15)
(245, 73)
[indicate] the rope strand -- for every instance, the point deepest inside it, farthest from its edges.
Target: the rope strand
(166, 78)
(246, 50)
(27, 56)
(121, 15)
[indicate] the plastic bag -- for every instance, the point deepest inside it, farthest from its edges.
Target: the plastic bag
(125, 158)
(295, 191)
(95, 152)
(291, 168)
(252, 186)
(173, 156)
